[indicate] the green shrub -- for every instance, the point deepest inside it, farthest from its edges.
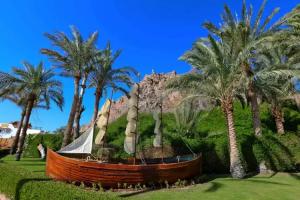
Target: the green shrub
(210, 137)
(52, 141)
(3, 152)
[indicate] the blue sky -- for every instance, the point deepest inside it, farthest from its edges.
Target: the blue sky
(151, 33)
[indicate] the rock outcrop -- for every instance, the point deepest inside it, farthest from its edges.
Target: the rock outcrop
(151, 92)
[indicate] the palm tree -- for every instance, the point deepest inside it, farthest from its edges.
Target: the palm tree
(19, 100)
(37, 83)
(186, 117)
(218, 78)
(75, 57)
(104, 76)
(275, 69)
(85, 76)
(251, 32)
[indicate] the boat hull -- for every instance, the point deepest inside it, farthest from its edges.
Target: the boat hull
(68, 169)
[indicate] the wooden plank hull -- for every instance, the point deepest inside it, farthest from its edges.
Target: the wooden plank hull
(63, 168)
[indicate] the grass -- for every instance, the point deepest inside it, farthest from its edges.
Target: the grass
(281, 186)
(26, 180)
(35, 165)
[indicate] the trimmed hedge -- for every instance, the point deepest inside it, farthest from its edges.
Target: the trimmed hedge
(52, 141)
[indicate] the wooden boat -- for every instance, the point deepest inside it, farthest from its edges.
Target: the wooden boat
(63, 168)
(63, 165)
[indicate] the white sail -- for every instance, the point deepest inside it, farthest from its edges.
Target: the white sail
(157, 130)
(129, 144)
(103, 121)
(82, 144)
(131, 129)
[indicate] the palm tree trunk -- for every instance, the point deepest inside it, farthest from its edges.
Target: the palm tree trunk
(236, 167)
(279, 119)
(79, 109)
(255, 110)
(69, 128)
(253, 100)
(98, 95)
(16, 139)
(25, 126)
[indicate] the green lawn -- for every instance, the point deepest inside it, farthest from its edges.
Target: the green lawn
(34, 165)
(26, 180)
(282, 186)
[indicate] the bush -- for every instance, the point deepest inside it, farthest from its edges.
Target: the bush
(52, 141)
(3, 152)
(280, 152)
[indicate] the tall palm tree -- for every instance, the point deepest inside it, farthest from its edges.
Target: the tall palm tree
(85, 76)
(104, 76)
(20, 99)
(275, 70)
(37, 83)
(218, 78)
(15, 97)
(251, 32)
(73, 56)
(276, 97)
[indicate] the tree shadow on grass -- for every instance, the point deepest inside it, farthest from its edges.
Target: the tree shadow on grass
(266, 182)
(22, 182)
(130, 194)
(38, 171)
(214, 187)
(295, 176)
(265, 176)
(33, 164)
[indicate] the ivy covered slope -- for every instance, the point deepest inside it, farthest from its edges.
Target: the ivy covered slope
(281, 152)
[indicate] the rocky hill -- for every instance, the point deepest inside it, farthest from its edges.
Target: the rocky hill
(151, 91)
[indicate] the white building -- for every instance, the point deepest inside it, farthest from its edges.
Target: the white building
(8, 130)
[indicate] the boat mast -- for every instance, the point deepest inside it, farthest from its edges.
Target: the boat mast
(137, 117)
(161, 121)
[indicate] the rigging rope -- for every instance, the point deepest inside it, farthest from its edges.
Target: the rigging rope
(189, 147)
